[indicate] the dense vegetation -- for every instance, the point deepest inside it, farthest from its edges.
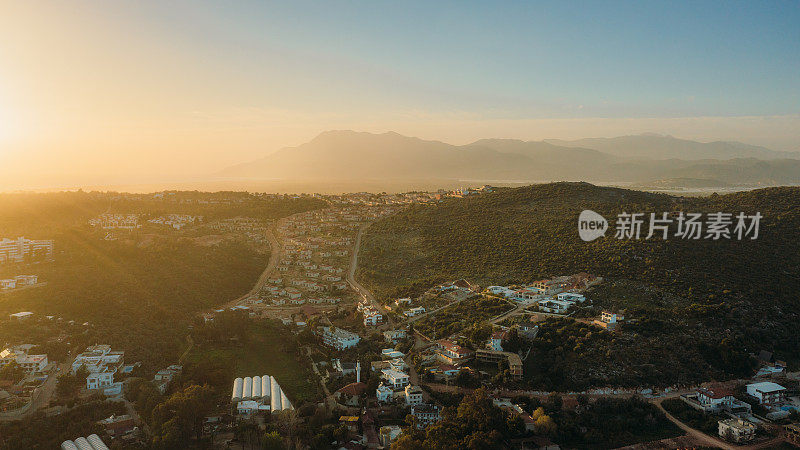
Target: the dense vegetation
(465, 314)
(137, 293)
(40, 432)
(696, 300)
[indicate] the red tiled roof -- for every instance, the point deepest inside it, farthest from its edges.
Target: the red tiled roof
(353, 389)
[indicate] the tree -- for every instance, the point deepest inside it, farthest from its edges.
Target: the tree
(273, 441)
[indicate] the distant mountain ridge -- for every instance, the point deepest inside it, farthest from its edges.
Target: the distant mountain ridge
(346, 154)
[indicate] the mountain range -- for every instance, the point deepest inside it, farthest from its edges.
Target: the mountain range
(351, 155)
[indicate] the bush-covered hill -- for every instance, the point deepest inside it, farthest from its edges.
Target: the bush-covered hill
(741, 292)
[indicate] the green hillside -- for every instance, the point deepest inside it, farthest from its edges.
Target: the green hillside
(702, 305)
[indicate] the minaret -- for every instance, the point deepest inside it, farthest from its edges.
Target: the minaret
(358, 371)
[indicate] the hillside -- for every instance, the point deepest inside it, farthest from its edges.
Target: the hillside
(702, 293)
(350, 155)
(653, 146)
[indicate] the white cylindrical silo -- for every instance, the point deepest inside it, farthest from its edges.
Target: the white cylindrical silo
(256, 387)
(285, 403)
(275, 396)
(238, 385)
(96, 442)
(266, 386)
(247, 391)
(68, 445)
(83, 444)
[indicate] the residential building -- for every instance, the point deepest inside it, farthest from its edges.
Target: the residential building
(515, 367)
(338, 338)
(413, 395)
(496, 341)
(384, 393)
(99, 380)
(425, 414)
(395, 378)
(394, 336)
(554, 306)
(715, 398)
(30, 363)
(351, 394)
(21, 249)
(571, 297)
(451, 353)
(736, 430)
(767, 393)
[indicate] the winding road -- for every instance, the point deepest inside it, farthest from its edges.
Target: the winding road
(363, 292)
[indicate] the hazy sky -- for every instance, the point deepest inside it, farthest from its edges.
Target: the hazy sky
(122, 91)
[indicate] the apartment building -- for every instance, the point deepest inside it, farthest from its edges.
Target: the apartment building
(21, 249)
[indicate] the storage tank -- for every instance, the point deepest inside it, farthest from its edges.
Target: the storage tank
(96, 442)
(68, 445)
(266, 386)
(83, 444)
(275, 401)
(285, 403)
(247, 391)
(256, 387)
(238, 385)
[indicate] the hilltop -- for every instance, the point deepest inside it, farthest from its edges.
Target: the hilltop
(718, 299)
(350, 155)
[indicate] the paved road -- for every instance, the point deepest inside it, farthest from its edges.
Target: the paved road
(276, 251)
(361, 290)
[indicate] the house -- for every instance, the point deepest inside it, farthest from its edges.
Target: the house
(444, 371)
(451, 353)
(554, 306)
(396, 379)
(767, 393)
(571, 297)
(21, 315)
(413, 395)
(550, 287)
(527, 330)
(118, 425)
(30, 363)
(350, 395)
(496, 341)
(713, 399)
(425, 414)
(394, 336)
(99, 380)
(402, 301)
(736, 430)
(515, 367)
(414, 311)
(610, 320)
(339, 339)
(163, 377)
(346, 368)
(390, 353)
(384, 393)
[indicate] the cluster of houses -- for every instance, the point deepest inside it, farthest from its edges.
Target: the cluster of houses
(21, 249)
(31, 363)
(554, 295)
(741, 426)
(102, 363)
(164, 377)
(116, 222)
(19, 281)
(176, 221)
(372, 317)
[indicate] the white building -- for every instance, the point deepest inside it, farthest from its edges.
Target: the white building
(413, 395)
(571, 297)
(384, 393)
(338, 338)
(767, 392)
(31, 363)
(396, 379)
(20, 249)
(554, 306)
(99, 380)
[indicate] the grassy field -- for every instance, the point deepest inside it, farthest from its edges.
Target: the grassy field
(461, 316)
(270, 350)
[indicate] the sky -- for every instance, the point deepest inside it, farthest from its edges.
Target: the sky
(112, 91)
